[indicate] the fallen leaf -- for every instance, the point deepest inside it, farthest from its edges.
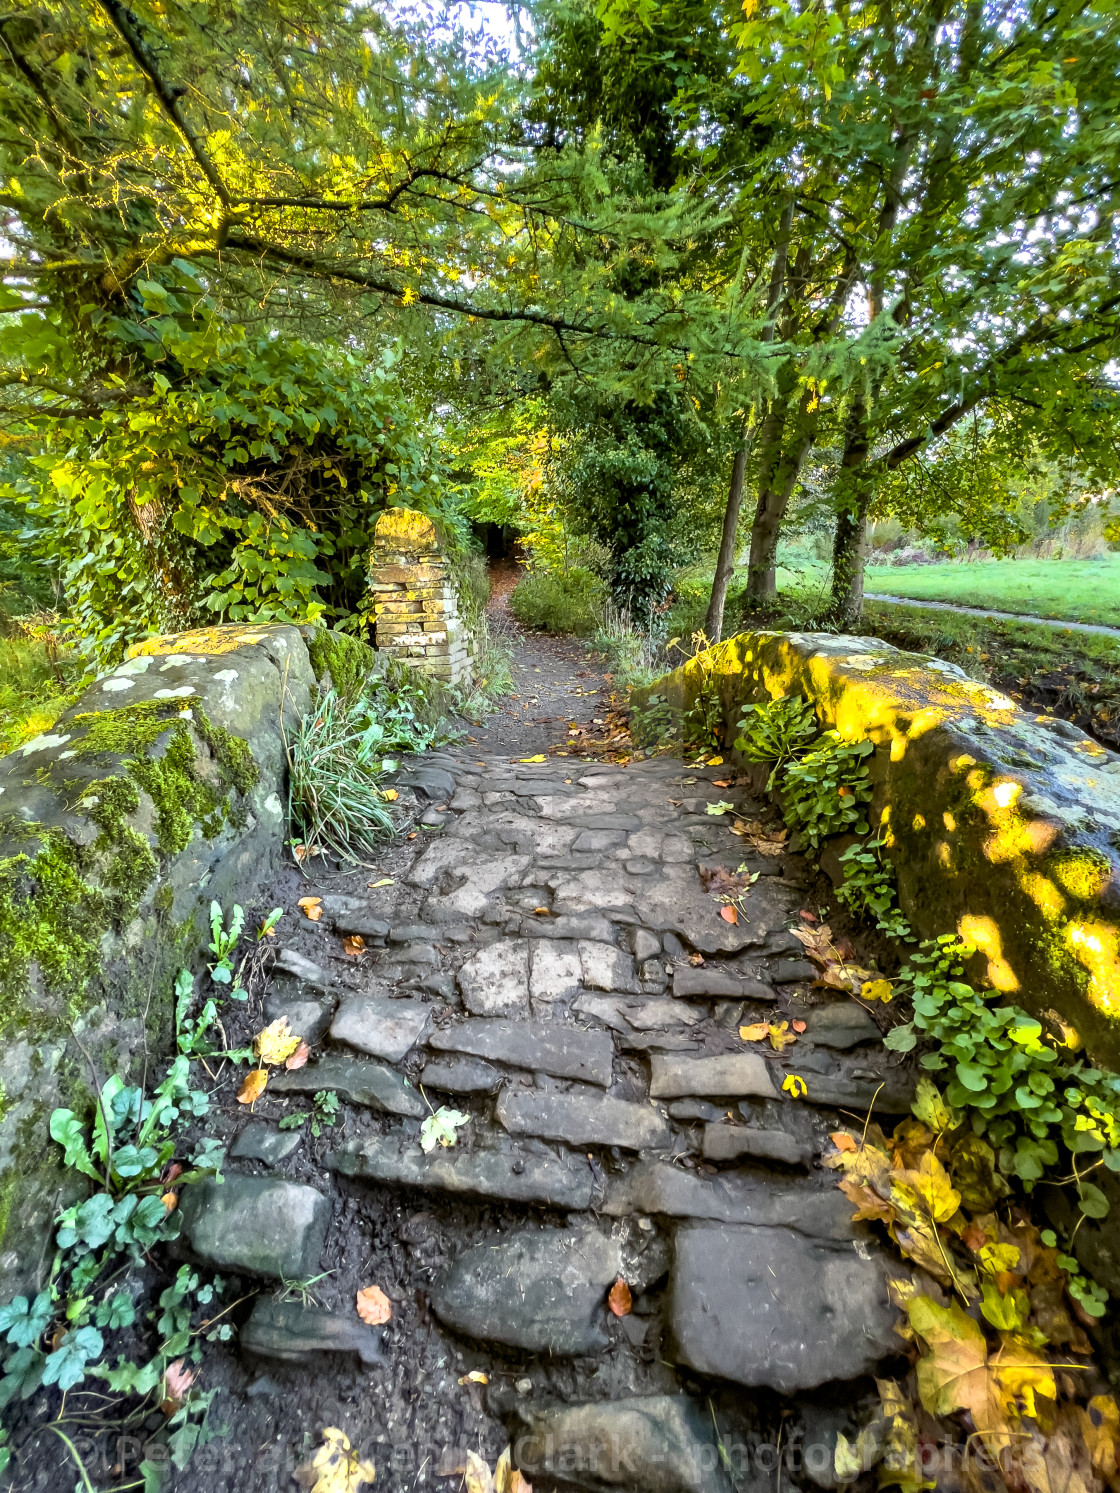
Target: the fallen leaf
(334, 1468)
(518, 1483)
(928, 1189)
(441, 1128)
(810, 917)
(780, 1036)
(721, 782)
(311, 907)
(477, 1477)
(619, 1299)
(253, 1087)
(177, 1382)
(715, 761)
(390, 793)
(276, 1042)
(728, 914)
(843, 1141)
(719, 808)
(170, 1201)
(373, 1306)
(298, 1058)
(696, 959)
(764, 841)
(385, 881)
(877, 990)
(543, 912)
(1100, 1430)
(353, 945)
(540, 757)
(757, 1031)
(973, 1237)
(799, 1027)
(476, 1376)
(795, 1086)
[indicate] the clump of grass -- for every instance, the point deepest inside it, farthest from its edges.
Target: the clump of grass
(336, 769)
(38, 680)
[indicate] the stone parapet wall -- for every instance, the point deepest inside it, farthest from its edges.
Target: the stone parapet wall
(415, 607)
(162, 789)
(1004, 825)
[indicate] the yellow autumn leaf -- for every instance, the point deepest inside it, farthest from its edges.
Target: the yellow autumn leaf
(795, 1086)
(334, 1468)
(476, 1376)
(385, 881)
(781, 1036)
(926, 1190)
(276, 1042)
(311, 907)
(390, 793)
(1100, 1430)
(540, 757)
(877, 990)
(253, 1087)
(758, 1031)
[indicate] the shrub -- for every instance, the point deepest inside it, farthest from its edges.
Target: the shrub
(827, 791)
(568, 601)
(776, 731)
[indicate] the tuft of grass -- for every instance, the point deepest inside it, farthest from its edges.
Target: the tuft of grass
(336, 767)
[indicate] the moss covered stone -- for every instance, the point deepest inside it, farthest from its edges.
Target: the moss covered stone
(348, 660)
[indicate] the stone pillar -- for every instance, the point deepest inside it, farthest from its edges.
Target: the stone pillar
(415, 607)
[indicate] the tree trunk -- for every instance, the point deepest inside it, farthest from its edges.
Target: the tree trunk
(778, 472)
(725, 565)
(856, 489)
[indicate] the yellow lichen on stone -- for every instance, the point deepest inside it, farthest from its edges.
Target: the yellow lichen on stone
(405, 529)
(207, 641)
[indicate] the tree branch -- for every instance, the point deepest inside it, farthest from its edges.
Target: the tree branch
(126, 23)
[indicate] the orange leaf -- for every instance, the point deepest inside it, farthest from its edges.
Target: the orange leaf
(974, 1237)
(170, 1201)
(843, 1141)
(373, 1306)
(757, 1031)
(311, 907)
(253, 1087)
(519, 1484)
(721, 783)
(810, 917)
(619, 1299)
(353, 944)
(298, 1058)
(729, 915)
(176, 1383)
(799, 1027)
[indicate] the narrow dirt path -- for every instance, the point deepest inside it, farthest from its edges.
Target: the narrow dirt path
(556, 960)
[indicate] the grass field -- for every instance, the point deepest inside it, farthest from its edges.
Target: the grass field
(1074, 590)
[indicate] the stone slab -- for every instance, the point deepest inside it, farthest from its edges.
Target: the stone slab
(556, 970)
(734, 1075)
(384, 1028)
(638, 1014)
(540, 1291)
(841, 1025)
(732, 1142)
(607, 968)
(655, 1444)
(291, 1333)
(770, 1308)
(710, 980)
(495, 981)
(361, 1080)
(261, 1225)
(260, 1141)
(510, 1173)
(462, 1075)
(583, 1119)
(540, 1046)
(659, 1187)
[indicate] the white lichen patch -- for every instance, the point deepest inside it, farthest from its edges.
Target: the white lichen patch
(175, 660)
(44, 743)
(273, 805)
(114, 685)
(176, 694)
(186, 714)
(227, 676)
(133, 666)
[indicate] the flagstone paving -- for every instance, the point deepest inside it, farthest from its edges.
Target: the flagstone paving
(548, 964)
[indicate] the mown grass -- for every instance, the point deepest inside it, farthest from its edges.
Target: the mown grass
(1073, 590)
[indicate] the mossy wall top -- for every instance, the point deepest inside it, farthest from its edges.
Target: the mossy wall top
(1004, 825)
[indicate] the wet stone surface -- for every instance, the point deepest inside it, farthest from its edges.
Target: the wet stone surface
(547, 962)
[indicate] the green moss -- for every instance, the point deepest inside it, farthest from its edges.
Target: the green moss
(1083, 873)
(347, 659)
(58, 899)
